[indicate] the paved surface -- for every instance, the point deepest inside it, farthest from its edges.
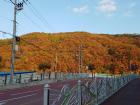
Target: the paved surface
(30, 95)
(128, 95)
(9, 86)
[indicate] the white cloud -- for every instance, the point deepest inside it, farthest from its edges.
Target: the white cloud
(107, 6)
(81, 10)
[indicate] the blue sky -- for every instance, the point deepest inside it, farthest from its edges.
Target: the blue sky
(95, 16)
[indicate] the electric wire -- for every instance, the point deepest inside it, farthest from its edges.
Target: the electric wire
(8, 1)
(36, 46)
(34, 23)
(5, 18)
(12, 2)
(40, 17)
(37, 14)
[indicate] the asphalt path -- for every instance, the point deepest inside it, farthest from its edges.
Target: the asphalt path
(128, 95)
(31, 95)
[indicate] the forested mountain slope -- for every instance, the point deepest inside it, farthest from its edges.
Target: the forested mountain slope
(61, 50)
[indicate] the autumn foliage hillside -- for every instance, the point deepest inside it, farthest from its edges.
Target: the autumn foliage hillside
(61, 50)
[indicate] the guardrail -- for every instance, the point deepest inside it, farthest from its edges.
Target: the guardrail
(87, 91)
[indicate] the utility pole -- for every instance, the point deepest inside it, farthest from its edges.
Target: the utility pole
(80, 68)
(56, 63)
(14, 42)
(17, 7)
(80, 58)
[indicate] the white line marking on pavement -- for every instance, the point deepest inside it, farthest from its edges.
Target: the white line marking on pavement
(17, 98)
(25, 92)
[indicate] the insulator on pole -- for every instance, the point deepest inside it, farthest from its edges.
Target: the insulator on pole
(19, 6)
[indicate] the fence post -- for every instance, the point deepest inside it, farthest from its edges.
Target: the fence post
(114, 83)
(46, 94)
(96, 84)
(5, 80)
(79, 93)
(106, 87)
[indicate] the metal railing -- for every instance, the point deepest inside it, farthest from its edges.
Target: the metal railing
(88, 91)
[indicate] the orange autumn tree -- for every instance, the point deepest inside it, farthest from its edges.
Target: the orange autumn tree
(0, 61)
(98, 49)
(44, 67)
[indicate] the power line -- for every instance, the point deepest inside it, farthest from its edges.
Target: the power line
(36, 13)
(34, 45)
(38, 46)
(27, 42)
(45, 49)
(34, 23)
(8, 1)
(24, 41)
(18, 6)
(6, 33)
(12, 2)
(5, 18)
(2, 34)
(29, 19)
(40, 16)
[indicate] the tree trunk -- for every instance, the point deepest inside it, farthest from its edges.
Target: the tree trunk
(92, 74)
(5, 81)
(55, 74)
(43, 74)
(19, 78)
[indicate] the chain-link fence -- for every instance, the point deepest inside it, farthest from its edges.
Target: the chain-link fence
(86, 91)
